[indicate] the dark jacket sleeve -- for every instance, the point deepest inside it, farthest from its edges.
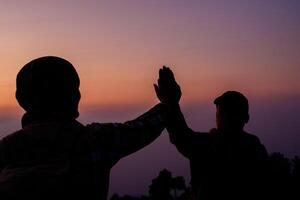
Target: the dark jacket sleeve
(187, 141)
(118, 140)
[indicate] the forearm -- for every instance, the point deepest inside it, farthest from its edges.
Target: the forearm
(121, 139)
(179, 132)
(176, 124)
(146, 128)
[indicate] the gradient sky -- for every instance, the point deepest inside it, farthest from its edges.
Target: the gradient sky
(117, 48)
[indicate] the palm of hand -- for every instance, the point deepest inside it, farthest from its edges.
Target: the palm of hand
(167, 89)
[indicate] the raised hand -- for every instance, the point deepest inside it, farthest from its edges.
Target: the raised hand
(167, 90)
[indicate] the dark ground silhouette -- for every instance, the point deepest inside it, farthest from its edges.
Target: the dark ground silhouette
(165, 186)
(283, 182)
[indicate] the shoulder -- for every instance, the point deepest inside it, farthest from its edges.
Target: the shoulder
(9, 144)
(253, 139)
(93, 126)
(13, 137)
(202, 139)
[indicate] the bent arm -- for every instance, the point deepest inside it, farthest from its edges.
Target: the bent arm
(121, 139)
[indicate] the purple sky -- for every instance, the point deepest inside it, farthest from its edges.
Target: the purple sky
(118, 47)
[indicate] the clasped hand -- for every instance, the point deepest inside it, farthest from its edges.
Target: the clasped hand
(167, 90)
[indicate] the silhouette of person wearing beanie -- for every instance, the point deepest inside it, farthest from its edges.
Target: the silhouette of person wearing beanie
(54, 156)
(225, 163)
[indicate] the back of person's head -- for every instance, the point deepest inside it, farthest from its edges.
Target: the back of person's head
(49, 85)
(232, 109)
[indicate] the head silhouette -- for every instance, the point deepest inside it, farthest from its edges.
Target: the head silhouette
(232, 111)
(49, 85)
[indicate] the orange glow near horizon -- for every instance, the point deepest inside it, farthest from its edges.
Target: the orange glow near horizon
(108, 86)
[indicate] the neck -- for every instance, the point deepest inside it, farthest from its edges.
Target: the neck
(231, 130)
(36, 117)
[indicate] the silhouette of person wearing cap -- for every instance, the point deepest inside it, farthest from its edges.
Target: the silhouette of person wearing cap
(54, 156)
(227, 162)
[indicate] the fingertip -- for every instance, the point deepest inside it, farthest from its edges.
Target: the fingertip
(171, 72)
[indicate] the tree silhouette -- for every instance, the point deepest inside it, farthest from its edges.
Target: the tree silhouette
(280, 165)
(296, 177)
(280, 176)
(178, 183)
(161, 186)
(283, 183)
(127, 197)
(296, 167)
(115, 197)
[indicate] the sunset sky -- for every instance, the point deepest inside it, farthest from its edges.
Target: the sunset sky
(118, 47)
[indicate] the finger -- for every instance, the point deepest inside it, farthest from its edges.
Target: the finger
(170, 73)
(166, 68)
(158, 92)
(167, 75)
(164, 75)
(156, 88)
(159, 81)
(162, 85)
(160, 72)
